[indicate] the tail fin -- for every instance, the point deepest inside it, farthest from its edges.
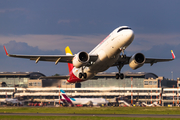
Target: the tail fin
(68, 52)
(68, 99)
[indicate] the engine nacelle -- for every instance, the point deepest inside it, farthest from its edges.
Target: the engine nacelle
(80, 59)
(136, 61)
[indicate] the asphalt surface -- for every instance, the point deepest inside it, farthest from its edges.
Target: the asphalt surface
(99, 115)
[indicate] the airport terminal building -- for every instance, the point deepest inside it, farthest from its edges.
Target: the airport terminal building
(139, 87)
(137, 80)
(19, 79)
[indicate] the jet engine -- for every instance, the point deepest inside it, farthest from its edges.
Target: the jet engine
(80, 59)
(136, 61)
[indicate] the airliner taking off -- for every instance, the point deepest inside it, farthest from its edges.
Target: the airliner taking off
(83, 65)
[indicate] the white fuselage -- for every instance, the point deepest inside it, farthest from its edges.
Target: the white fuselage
(108, 51)
(12, 101)
(86, 101)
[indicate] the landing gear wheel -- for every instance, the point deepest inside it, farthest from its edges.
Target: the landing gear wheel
(117, 76)
(80, 75)
(121, 76)
(85, 75)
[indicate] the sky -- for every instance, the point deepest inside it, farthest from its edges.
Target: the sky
(48, 26)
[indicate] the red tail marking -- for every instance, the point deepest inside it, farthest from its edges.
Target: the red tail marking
(6, 50)
(70, 66)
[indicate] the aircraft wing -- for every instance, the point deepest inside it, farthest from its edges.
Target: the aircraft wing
(50, 58)
(126, 59)
(154, 60)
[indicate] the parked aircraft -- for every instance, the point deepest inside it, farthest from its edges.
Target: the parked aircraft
(83, 101)
(83, 65)
(12, 101)
(150, 105)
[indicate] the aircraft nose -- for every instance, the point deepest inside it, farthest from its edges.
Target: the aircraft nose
(130, 35)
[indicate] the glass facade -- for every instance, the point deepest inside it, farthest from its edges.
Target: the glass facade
(18, 79)
(11, 82)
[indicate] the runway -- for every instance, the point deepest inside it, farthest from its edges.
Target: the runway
(99, 115)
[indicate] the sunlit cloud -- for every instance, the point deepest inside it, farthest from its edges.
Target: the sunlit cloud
(52, 42)
(88, 42)
(147, 41)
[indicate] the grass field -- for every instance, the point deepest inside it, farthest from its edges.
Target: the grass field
(93, 110)
(87, 110)
(76, 118)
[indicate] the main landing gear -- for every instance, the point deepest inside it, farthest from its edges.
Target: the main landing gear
(82, 75)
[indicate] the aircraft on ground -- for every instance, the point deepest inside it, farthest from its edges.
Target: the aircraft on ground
(83, 101)
(83, 65)
(150, 105)
(12, 101)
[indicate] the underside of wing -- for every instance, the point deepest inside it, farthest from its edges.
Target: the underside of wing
(139, 58)
(51, 58)
(154, 60)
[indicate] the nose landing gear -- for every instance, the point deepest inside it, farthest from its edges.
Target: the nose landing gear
(120, 75)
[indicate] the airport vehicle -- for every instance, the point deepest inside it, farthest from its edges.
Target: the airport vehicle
(83, 101)
(83, 65)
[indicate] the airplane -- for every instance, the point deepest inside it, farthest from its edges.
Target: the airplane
(83, 101)
(108, 53)
(150, 105)
(12, 101)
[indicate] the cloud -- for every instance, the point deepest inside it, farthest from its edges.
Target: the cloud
(9, 64)
(144, 42)
(59, 42)
(49, 68)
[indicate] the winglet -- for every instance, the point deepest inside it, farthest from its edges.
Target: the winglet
(6, 51)
(173, 55)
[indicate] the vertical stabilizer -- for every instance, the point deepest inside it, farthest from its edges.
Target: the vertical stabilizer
(68, 52)
(68, 99)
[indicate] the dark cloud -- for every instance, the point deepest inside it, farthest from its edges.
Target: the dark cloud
(9, 64)
(88, 17)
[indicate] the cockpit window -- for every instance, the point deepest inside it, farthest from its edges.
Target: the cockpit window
(123, 29)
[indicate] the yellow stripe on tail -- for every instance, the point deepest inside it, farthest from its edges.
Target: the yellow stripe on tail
(68, 51)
